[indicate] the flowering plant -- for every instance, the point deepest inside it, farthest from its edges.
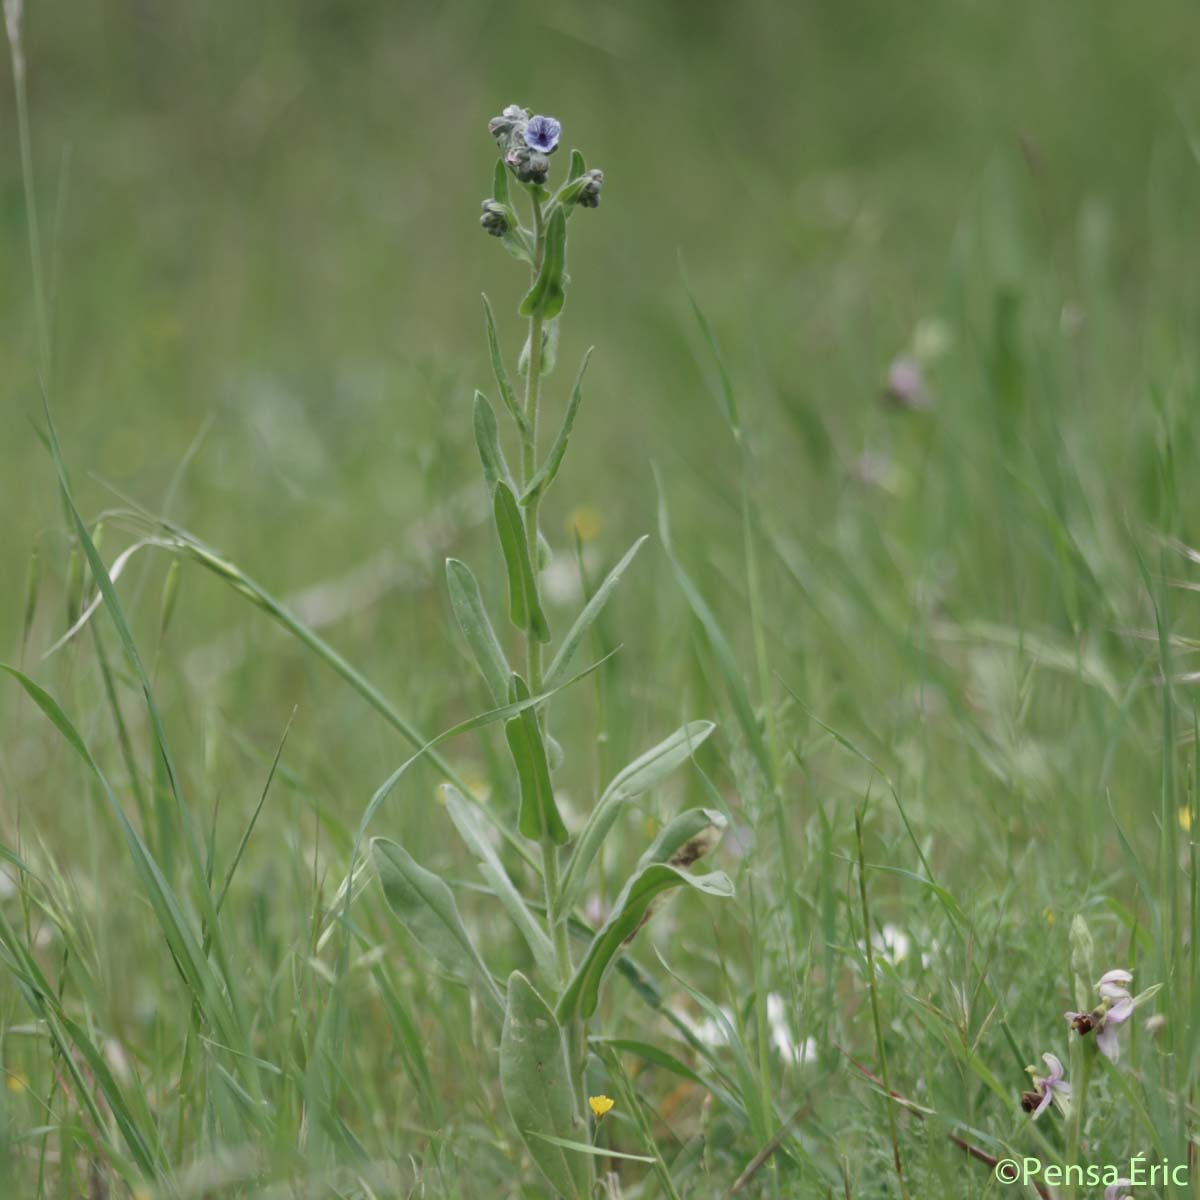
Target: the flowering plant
(544, 1012)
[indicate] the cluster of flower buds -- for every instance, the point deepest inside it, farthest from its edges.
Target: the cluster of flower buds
(526, 141)
(495, 218)
(589, 195)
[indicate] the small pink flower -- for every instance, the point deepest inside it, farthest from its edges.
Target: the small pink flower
(1115, 1008)
(905, 386)
(1045, 1087)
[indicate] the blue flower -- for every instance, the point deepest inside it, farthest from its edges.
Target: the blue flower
(542, 134)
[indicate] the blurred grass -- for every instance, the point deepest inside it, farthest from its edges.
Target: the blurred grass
(263, 229)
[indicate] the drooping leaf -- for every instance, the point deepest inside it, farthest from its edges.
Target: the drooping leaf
(539, 817)
(548, 293)
(686, 839)
(425, 906)
(466, 821)
(473, 620)
(639, 776)
(549, 468)
(585, 620)
(523, 604)
(583, 992)
(535, 1078)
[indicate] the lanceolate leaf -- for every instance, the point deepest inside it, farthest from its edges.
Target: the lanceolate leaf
(547, 295)
(466, 821)
(539, 814)
(639, 776)
(546, 473)
(523, 605)
(575, 635)
(477, 629)
(539, 1092)
(503, 382)
(487, 439)
(583, 992)
(425, 906)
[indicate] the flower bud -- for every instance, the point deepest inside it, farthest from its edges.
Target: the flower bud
(501, 127)
(495, 218)
(527, 165)
(589, 195)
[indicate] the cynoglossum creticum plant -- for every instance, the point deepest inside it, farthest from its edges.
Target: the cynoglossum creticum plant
(544, 1014)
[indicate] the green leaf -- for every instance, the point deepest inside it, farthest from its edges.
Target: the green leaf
(503, 382)
(549, 468)
(587, 1148)
(568, 195)
(727, 399)
(487, 440)
(548, 294)
(523, 605)
(425, 906)
(639, 776)
(632, 908)
(500, 185)
(194, 965)
(585, 620)
(466, 821)
(539, 817)
(473, 620)
(727, 662)
(662, 1058)
(539, 1092)
(686, 839)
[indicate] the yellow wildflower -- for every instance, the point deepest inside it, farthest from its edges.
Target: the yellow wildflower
(16, 1082)
(1185, 819)
(599, 1105)
(586, 522)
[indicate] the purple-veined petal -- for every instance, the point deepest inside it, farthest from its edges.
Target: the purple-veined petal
(542, 134)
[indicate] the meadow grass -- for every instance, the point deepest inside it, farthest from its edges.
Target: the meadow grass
(947, 647)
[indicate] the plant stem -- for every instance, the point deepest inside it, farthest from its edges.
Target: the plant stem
(576, 1033)
(883, 1064)
(1078, 1106)
(41, 314)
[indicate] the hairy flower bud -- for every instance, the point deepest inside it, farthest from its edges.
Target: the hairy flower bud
(495, 218)
(589, 196)
(527, 165)
(501, 127)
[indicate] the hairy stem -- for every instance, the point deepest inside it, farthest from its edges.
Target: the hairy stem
(576, 1033)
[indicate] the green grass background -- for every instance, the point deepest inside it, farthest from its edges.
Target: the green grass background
(259, 225)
